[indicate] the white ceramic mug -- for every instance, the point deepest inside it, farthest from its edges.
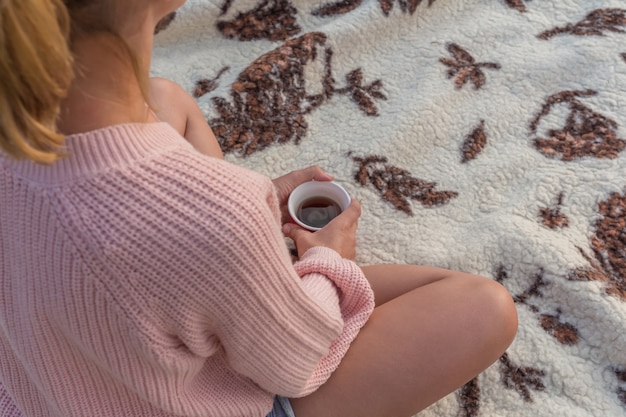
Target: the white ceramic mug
(315, 203)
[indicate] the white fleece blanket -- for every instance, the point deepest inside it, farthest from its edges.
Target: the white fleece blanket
(481, 135)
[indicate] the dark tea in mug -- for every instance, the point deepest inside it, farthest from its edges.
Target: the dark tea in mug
(318, 211)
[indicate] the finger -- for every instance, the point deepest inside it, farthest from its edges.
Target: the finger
(320, 175)
(354, 209)
(286, 183)
(292, 230)
(349, 218)
(313, 172)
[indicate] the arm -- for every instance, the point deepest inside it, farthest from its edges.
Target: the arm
(225, 258)
(307, 347)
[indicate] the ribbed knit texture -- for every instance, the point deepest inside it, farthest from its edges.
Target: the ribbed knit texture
(141, 278)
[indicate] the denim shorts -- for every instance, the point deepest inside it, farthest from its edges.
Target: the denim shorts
(282, 408)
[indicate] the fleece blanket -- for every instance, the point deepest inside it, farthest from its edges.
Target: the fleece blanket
(486, 136)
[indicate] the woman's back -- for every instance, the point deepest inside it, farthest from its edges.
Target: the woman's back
(94, 251)
(118, 296)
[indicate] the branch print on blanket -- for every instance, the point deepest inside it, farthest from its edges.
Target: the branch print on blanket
(270, 100)
(563, 332)
(586, 133)
(594, 24)
(396, 185)
(464, 68)
(522, 379)
(469, 399)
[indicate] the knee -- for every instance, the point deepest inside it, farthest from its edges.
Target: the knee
(486, 310)
(498, 311)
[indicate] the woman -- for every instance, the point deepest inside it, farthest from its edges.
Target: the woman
(142, 275)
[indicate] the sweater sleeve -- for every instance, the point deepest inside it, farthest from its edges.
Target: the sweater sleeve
(295, 335)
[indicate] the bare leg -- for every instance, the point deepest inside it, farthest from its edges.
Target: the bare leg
(432, 331)
(391, 281)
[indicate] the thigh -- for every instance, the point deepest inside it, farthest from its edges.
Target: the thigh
(389, 281)
(417, 347)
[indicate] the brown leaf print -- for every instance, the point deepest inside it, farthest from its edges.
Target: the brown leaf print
(397, 186)
(405, 5)
(274, 20)
(518, 5)
(464, 68)
(620, 373)
(521, 379)
(474, 143)
(586, 133)
(565, 333)
(164, 23)
(552, 216)
(346, 6)
(269, 99)
(206, 85)
(609, 240)
(340, 7)
(594, 24)
(469, 398)
(608, 244)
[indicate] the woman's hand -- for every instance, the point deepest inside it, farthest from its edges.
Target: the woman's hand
(285, 185)
(339, 234)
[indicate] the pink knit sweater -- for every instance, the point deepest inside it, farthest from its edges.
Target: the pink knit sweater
(141, 278)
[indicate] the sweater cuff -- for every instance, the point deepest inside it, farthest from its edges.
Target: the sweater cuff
(355, 293)
(356, 303)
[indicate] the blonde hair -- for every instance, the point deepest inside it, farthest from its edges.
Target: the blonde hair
(37, 67)
(35, 74)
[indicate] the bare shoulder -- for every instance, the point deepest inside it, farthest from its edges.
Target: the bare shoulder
(174, 105)
(166, 93)
(163, 88)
